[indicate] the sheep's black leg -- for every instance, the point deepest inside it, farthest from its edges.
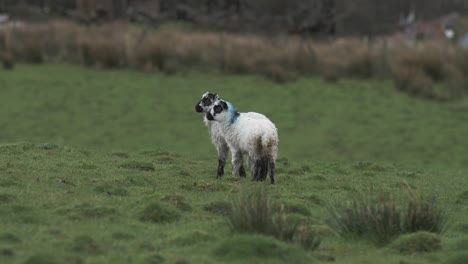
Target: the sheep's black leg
(255, 171)
(223, 151)
(242, 171)
(264, 168)
(237, 161)
(221, 164)
(260, 169)
(272, 171)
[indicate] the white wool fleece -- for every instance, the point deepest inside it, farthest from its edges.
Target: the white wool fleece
(250, 133)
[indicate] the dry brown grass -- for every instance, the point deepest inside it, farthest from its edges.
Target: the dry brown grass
(428, 70)
(422, 69)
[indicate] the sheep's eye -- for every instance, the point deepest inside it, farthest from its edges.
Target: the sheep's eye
(206, 101)
(218, 109)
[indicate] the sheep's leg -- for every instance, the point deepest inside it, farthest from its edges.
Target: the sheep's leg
(237, 168)
(255, 170)
(272, 171)
(241, 168)
(260, 169)
(264, 166)
(220, 171)
(251, 163)
(223, 151)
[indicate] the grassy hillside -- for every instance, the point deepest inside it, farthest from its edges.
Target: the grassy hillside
(72, 205)
(113, 110)
(117, 167)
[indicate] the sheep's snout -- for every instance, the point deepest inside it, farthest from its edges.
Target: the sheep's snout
(209, 116)
(198, 108)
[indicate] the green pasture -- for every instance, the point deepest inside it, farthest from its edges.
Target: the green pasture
(117, 167)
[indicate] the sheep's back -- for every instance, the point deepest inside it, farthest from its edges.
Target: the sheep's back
(250, 132)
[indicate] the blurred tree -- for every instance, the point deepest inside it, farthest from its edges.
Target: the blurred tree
(322, 17)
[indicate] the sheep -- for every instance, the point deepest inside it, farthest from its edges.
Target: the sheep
(217, 138)
(250, 133)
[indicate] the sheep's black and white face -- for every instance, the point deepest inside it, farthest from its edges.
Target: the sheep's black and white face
(206, 102)
(223, 111)
(218, 112)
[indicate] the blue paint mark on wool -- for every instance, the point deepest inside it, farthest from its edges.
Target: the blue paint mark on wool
(233, 114)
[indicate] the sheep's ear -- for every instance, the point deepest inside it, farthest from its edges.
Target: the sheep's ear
(225, 106)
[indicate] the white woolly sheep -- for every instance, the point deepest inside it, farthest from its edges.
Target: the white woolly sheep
(217, 137)
(250, 133)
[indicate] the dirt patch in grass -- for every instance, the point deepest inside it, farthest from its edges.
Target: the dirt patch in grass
(7, 252)
(159, 213)
(10, 238)
(87, 211)
(462, 198)
(122, 236)
(177, 201)
(48, 146)
(192, 238)
(110, 189)
(219, 207)
(6, 198)
(204, 186)
(122, 155)
(86, 245)
(41, 259)
(138, 165)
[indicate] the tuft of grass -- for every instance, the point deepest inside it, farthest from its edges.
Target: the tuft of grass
(458, 259)
(307, 237)
(41, 259)
(86, 245)
(296, 208)
(159, 213)
(382, 218)
(419, 242)
(423, 215)
(254, 212)
(366, 216)
(258, 248)
(137, 165)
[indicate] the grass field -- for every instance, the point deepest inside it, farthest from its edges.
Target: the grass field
(88, 157)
